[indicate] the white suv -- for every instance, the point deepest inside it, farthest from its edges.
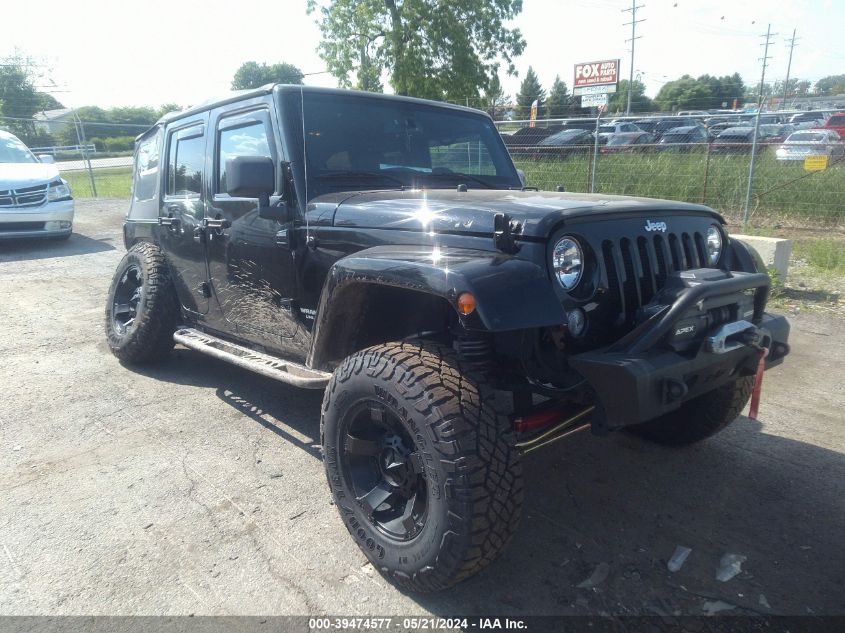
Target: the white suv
(34, 200)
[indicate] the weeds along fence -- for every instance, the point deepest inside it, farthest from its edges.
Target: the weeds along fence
(711, 173)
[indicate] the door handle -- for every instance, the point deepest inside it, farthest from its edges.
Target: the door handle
(216, 223)
(170, 221)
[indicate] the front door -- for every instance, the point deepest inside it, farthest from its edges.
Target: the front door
(250, 260)
(182, 213)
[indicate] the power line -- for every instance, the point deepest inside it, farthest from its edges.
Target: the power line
(634, 21)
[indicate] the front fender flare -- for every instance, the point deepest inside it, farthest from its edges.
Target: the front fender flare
(510, 293)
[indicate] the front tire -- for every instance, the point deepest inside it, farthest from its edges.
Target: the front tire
(700, 417)
(142, 310)
(421, 462)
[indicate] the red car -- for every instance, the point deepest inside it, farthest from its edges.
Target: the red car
(836, 122)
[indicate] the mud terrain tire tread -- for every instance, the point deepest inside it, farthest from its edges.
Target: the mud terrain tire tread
(483, 484)
(699, 418)
(151, 337)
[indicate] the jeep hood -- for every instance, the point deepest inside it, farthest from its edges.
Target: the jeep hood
(19, 175)
(472, 212)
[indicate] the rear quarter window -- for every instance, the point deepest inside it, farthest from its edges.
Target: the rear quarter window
(147, 161)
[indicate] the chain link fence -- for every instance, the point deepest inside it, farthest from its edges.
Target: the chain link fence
(95, 158)
(99, 164)
(710, 171)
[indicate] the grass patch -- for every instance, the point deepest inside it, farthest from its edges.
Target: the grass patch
(110, 183)
(823, 253)
(782, 192)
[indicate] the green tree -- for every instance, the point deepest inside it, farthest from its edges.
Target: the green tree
(558, 102)
(830, 85)
(618, 101)
(685, 93)
(18, 96)
(723, 91)
(17, 87)
(254, 75)
(428, 48)
(48, 102)
(495, 99)
(167, 107)
(529, 90)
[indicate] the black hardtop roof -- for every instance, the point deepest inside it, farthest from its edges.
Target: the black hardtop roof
(240, 95)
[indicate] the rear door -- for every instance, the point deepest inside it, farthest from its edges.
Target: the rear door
(182, 211)
(250, 258)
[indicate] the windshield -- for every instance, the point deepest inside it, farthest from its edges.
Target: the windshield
(13, 151)
(607, 128)
(355, 142)
(837, 119)
(806, 136)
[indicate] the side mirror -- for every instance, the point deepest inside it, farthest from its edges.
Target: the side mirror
(47, 159)
(255, 177)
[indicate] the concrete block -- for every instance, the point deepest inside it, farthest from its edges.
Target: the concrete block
(775, 251)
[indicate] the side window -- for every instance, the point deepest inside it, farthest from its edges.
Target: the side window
(185, 162)
(247, 139)
(147, 156)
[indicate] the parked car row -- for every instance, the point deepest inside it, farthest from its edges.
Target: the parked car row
(791, 144)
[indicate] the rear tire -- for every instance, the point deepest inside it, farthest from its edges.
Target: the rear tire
(416, 411)
(699, 418)
(142, 310)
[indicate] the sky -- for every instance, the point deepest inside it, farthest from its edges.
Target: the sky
(184, 51)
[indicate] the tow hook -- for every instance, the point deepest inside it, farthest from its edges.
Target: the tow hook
(762, 353)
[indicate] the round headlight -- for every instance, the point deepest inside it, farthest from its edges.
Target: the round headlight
(714, 245)
(568, 261)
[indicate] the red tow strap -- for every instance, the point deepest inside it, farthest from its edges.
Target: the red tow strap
(758, 384)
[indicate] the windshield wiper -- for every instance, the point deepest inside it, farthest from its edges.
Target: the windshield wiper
(456, 175)
(359, 175)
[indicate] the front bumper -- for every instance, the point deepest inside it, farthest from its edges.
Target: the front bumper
(641, 377)
(51, 219)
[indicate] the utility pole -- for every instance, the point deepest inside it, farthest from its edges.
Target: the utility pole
(765, 61)
(788, 68)
(634, 21)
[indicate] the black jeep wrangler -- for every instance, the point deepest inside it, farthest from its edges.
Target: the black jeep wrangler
(386, 250)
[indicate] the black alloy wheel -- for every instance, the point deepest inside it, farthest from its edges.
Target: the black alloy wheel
(127, 297)
(385, 470)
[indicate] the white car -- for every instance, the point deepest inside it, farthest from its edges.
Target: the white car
(816, 142)
(34, 200)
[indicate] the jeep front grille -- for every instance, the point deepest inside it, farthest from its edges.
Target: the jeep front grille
(637, 268)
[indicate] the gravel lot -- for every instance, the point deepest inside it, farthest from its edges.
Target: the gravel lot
(196, 487)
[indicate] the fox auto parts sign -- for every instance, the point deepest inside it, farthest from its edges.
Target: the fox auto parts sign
(596, 77)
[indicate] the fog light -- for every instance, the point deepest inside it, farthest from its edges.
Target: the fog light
(64, 224)
(576, 321)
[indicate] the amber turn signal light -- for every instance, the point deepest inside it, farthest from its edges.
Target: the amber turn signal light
(466, 303)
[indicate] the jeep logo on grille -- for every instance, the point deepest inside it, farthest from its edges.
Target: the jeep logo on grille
(655, 226)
